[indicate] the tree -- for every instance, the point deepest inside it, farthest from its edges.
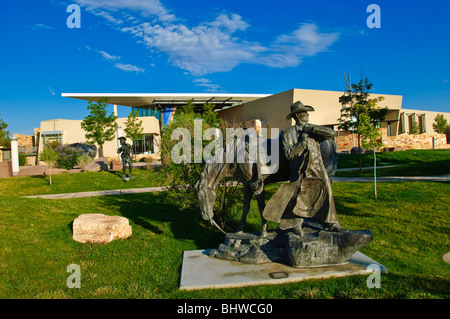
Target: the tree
(370, 139)
(134, 128)
(440, 124)
(356, 102)
(183, 176)
(5, 141)
(49, 156)
(98, 125)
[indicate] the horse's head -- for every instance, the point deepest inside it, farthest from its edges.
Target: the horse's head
(206, 194)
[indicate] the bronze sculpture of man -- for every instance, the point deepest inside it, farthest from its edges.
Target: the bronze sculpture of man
(125, 150)
(309, 193)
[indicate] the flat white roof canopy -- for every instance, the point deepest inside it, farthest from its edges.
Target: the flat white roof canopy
(220, 100)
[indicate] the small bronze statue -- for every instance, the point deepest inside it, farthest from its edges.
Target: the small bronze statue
(126, 152)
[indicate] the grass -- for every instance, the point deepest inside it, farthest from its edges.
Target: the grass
(410, 222)
(79, 182)
(411, 163)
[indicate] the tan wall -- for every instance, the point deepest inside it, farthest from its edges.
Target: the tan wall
(272, 110)
(327, 107)
(429, 118)
(73, 133)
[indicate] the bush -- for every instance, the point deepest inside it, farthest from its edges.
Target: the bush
(67, 156)
(84, 160)
(182, 177)
(22, 160)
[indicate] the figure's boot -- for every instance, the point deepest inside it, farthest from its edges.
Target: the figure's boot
(298, 230)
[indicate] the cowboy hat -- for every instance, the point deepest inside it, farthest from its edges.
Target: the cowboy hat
(298, 107)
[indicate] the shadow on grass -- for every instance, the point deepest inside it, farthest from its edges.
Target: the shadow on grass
(423, 286)
(152, 211)
(44, 177)
(412, 168)
(117, 173)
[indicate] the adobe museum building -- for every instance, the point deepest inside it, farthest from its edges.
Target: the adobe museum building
(266, 110)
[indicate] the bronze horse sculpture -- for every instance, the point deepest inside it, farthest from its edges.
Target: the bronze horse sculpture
(253, 180)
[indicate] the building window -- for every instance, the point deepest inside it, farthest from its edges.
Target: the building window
(413, 127)
(145, 145)
(401, 124)
(422, 124)
(147, 110)
(48, 137)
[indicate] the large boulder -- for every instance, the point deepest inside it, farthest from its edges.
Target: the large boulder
(99, 228)
(100, 164)
(89, 149)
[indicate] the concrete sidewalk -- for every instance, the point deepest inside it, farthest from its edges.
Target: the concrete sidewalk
(100, 193)
(393, 179)
(162, 188)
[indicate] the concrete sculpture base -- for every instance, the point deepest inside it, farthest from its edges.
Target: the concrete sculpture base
(199, 271)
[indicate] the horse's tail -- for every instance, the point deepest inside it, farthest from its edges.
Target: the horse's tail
(329, 156)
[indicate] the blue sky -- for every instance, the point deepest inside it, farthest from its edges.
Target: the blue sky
(245, 46)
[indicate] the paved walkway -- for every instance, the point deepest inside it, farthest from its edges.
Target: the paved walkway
(100, 193)
(393, 179)
(161, 188)
(364, 168)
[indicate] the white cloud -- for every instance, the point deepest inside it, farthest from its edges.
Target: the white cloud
(51, 91)
(206, 83)
(144, 7)
(203, 49)
(107, 16)
(40, 26)
(233, 23)
(210, 46)
(288, 50)
(108, 56)
(128, 67)
(114, 59)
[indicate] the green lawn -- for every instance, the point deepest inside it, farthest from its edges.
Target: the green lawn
(410, 223)
(79, 182)
(411, 163)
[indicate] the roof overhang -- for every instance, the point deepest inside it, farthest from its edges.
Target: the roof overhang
(220, 100)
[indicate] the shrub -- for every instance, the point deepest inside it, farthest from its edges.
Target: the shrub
(84, 160)
(22, 160)
(49, 156)
(53, 144)
(67, 156)
(182, 177)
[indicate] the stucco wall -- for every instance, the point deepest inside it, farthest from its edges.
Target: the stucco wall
(272, 110)
(73, 133)
(429, 118)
